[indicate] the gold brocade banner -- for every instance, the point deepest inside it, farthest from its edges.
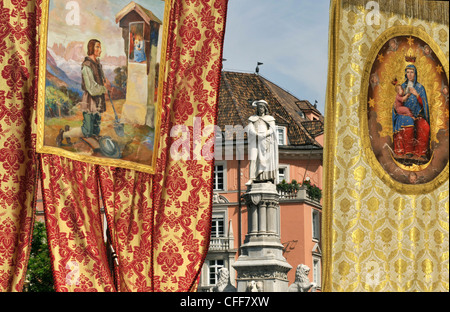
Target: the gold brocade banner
(386, 206)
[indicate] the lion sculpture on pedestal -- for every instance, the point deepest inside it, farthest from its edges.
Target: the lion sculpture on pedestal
(223, 283)
(302, 283)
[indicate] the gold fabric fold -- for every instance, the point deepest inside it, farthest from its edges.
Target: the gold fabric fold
(74, 225)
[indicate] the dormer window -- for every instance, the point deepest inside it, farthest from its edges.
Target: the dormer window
(282, 135)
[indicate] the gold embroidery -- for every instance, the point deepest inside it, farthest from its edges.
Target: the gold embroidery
(380, 235)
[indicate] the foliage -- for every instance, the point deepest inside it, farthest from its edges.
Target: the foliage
(39, 273)
(120, 79)
(57, 102)
(313, 191)
(288, 187)
(74, 96)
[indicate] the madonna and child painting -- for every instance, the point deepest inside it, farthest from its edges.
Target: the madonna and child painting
(408, 109)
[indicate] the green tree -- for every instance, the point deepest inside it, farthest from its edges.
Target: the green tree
(55, 99)
(73, 99)
(39, 273)
(120, 80)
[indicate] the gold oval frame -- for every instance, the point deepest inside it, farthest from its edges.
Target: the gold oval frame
(364, 132)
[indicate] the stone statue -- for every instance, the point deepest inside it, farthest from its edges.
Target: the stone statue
(302, 283)
(223, 283)
(253, 286)
(263, 145)
(219, 199)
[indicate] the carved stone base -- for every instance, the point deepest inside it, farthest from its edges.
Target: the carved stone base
(262, 275)
(261, 265)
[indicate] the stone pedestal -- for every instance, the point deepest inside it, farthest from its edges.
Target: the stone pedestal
(261, 265)
(134, 109)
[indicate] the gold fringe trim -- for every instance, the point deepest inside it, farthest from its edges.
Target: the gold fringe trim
(433, 11)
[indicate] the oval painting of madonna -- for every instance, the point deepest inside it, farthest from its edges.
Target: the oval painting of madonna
(408, 109)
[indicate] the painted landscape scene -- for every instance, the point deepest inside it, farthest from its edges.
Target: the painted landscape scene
(99, 101)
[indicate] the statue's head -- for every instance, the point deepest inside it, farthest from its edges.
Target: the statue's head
(223, 274)
(262, 108)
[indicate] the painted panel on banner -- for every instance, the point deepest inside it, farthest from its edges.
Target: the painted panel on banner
(100, 82)
(406, 94)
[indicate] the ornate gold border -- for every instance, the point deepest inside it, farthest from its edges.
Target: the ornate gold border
(329, 146)
(40, 148)
(329, 173)
(404, 30)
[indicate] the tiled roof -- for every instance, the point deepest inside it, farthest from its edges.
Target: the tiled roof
(306, 106)
(239, 90)
(145, 14)
(314, 127)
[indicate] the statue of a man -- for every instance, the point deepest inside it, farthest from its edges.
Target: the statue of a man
(263, 145)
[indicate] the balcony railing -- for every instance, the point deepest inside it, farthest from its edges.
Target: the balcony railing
(219, 244)
(287, 194)
(297, 194)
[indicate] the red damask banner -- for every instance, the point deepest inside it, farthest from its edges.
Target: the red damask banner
(18, 59)
(159, 224)
(182, 189)
(74, 225)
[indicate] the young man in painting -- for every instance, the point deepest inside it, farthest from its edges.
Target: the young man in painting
(93, 104)
(412, 133)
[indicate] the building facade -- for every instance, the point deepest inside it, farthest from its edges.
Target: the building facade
(300, 139)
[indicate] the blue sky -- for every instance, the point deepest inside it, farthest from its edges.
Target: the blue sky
(96, 20)
(289, 36)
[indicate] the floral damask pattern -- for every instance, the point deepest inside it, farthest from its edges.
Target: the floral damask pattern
(18, 23)
(74, 225)
(179, 238)
(127, 198)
